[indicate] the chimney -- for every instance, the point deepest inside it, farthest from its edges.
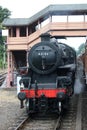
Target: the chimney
(45, 37)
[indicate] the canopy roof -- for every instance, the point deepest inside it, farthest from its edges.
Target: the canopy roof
(66, 9)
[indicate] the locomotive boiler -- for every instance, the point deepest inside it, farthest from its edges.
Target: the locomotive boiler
(48, 81)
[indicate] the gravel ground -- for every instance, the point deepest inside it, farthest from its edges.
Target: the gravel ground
(9, 108)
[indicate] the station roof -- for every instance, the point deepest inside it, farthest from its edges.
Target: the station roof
(66, 9)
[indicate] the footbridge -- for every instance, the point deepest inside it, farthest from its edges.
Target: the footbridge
(59, 20)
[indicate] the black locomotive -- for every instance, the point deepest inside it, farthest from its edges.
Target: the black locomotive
(48, 82)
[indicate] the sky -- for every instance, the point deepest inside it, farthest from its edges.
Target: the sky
(27, 8)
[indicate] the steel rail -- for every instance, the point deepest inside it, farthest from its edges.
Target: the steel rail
(57, 123)
(2, 77)
(19, 123)
(79, 113)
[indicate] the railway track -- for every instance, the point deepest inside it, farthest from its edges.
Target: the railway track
(69, 120)
(20, 122)
(42, 124)
(2, 77)
(36, 124)
(84, 111)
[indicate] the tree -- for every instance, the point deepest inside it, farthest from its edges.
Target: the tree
(4, 13)
(81, 49)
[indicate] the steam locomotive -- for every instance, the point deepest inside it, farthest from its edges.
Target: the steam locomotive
(47, 83)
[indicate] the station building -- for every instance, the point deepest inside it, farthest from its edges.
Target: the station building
(59, 20)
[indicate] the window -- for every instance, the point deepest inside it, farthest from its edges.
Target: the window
(22, 31)
(14, 32)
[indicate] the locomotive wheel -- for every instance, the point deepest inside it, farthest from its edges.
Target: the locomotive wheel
(27, 106)
(30, 106)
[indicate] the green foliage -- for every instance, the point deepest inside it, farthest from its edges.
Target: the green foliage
(2, 52)
(81, 49)
(1, 40)
(4, 13)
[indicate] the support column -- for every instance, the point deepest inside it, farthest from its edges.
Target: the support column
(8, 71)
(11, 32)
(27, 31)
(11, 72)
(27, 58)
(67, 18)
(84, 17)
(50, 18)
(39, 24)
(17, 32)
